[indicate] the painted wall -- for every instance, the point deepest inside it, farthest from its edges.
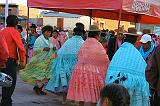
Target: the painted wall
(33, 12)
(69, 23)
(50, 21)
(111, 24)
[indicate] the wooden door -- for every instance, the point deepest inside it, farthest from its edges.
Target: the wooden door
(60, 22)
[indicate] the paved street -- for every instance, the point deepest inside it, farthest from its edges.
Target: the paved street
(24, 96)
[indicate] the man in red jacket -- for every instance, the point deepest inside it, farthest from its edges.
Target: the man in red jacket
(4, 53)
(16, 52)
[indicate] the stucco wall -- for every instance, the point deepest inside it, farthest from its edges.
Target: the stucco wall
(112, 24)
(50, 21)
(69, 23)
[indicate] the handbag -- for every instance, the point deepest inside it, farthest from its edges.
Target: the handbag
(5, 80)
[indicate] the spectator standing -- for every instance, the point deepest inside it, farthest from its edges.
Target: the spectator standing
(4, 53)
(147, 47)
(31, 40)
(153, 76)
(16, 48)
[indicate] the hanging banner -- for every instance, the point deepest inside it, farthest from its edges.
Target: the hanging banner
(139, 6)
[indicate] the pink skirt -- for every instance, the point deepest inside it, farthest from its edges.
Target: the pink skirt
(85, 83)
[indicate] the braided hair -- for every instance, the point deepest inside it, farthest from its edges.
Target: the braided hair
(116, 94)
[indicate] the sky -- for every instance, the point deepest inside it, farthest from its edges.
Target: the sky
(24, 2)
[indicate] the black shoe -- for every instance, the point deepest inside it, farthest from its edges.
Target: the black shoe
(43, 93)
(37, 90)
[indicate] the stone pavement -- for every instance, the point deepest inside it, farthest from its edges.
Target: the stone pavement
(24, 96)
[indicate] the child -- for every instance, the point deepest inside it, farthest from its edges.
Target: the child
(114, 95)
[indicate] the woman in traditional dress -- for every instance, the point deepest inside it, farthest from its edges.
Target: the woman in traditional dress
(64, 64)
(54, 39)
(62, 36)
(128, 69)
(38, 69)
(31, 40)
(89, 73)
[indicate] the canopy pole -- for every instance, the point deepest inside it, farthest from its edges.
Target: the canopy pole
(6, 12)
(138, 26)
(27, 33)
(119, 20)
(119, 23)
(90, 22)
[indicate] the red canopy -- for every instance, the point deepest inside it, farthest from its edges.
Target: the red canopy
(140, 11)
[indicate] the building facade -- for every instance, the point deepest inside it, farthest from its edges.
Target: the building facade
(64, 20)
(12, 9)
(111, 24)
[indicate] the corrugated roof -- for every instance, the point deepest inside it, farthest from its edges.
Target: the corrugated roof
(20, 18)
(54, 14)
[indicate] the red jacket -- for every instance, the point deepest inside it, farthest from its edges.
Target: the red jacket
(14, 43)
(4, 53)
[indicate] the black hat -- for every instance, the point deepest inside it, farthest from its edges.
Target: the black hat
(33, 26)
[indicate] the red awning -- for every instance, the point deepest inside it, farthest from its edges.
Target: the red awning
(140, 11)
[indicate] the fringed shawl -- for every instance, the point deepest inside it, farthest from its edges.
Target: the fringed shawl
(71, 46)
(128, 68)
(92, 53)
(64, 64)
(41, 43)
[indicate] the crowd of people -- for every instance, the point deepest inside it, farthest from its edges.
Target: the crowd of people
(102, 68)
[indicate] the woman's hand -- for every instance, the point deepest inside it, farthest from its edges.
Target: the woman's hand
(46, 49)
(55, 55)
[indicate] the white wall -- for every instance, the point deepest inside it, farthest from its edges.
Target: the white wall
(69, 23)
(50, 21)
(86, 21)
